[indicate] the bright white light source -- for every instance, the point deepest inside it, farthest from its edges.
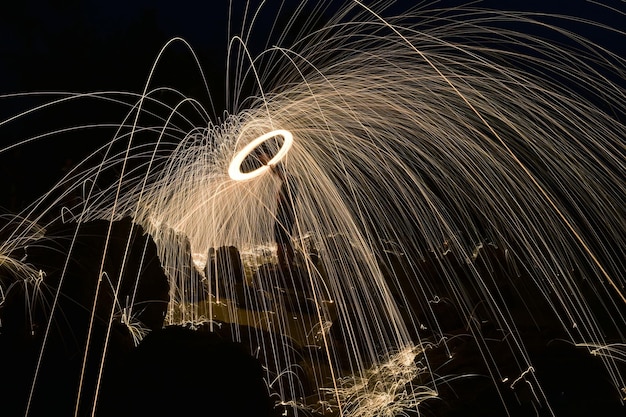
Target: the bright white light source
(234, 170)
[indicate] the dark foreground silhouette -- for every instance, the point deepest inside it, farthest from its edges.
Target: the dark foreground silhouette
(178, 371)
(173, 371)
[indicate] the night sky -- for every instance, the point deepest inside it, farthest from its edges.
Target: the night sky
(89, 45)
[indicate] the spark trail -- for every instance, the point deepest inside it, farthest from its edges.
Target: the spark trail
(420, 138)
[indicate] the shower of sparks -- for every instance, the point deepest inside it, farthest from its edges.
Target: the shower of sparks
(385, 390)
(413, 136)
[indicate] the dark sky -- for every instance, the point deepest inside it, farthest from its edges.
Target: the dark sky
(96, 44)
(89, 45)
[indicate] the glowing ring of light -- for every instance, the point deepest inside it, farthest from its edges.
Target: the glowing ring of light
(234, 169)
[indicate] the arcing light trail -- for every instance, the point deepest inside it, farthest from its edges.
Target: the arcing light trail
(234, 169)
(416, 143)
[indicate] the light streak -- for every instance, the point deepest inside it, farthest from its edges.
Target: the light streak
(444, 175)
(234, 169)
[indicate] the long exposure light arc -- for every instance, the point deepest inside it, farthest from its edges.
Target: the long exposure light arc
(234, 169)
(431, 163)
